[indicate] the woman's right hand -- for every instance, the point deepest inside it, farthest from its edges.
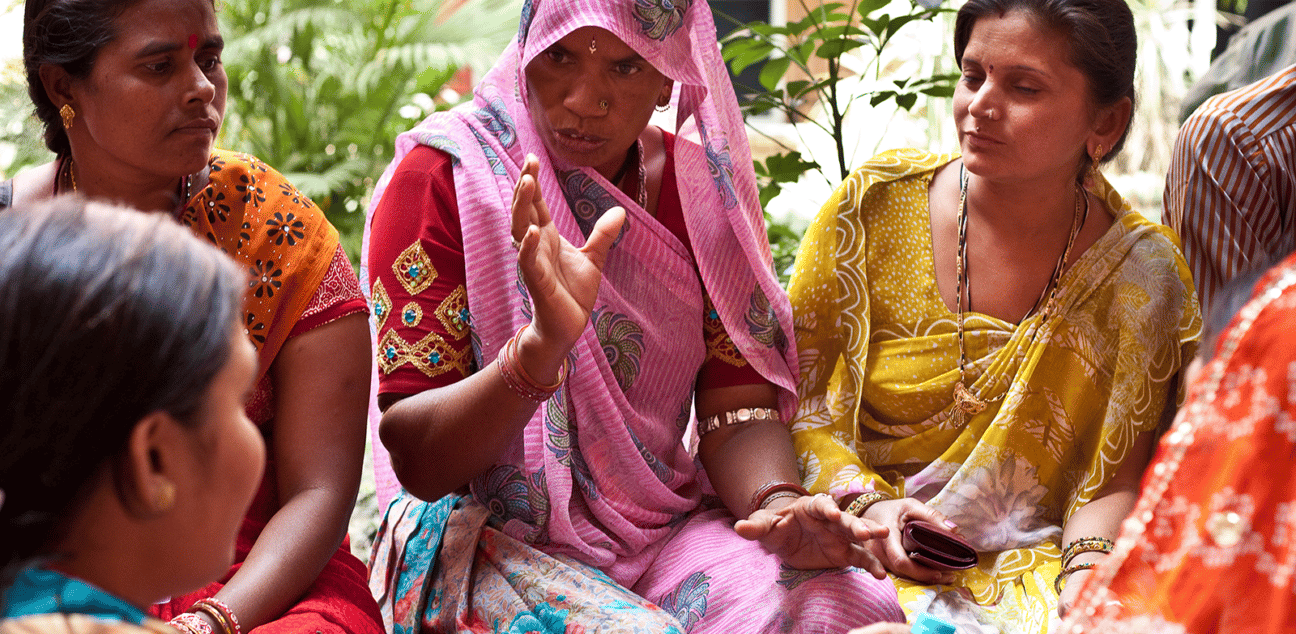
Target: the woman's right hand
(893, 514)
(563, 281)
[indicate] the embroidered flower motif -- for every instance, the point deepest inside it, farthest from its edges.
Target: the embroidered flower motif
(440, 142)
(524, 24)
(721, 168)
(291, 193)
(382, 304)
(265, 278)
(660, 18)
(411, 314)
(494, 117)
(252, 194)
(790, 578)
(431, 355)
(217, 208)
(245, 234)
(688, 603)
(1002, 499)
(453, 313)
(763, 323)
(414, 269)
(253, 329)
(492, 157)
(564, 442)
(718, 342)
(506, 494)
(280, 228)
(587, 199)
(622, 341)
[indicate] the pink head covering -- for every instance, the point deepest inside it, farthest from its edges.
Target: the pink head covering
(488, 141)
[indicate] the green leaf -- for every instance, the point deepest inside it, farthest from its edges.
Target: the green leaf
(906, 100)
(836, 48)
(773, 72)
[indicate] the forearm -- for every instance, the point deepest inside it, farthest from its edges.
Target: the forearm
(745, 458)
(288, 555)
(740, 458)
(441, 438)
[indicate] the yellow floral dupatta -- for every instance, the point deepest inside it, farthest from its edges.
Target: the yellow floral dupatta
(879, 359)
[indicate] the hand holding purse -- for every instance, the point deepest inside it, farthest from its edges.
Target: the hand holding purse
(936, 547)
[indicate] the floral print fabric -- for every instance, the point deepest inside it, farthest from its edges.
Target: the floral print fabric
(1068, 395)
(1211, 544)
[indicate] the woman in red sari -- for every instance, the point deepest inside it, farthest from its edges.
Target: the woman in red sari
(1211, 544)
(132, 95)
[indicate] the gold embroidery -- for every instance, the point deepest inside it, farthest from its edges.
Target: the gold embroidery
(382, 304)
(414, 269)
(411, 314)
(432, 355)
(453, 313)
(719, 344)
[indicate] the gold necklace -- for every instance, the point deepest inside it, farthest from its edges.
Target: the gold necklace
(67, 174)
(968, 402)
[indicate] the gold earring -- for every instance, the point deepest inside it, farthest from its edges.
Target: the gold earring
(1097, 158)
(68, 115)
(593, 47)
(166, 495)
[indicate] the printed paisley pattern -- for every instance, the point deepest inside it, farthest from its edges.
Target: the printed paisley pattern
(870, 323)
(660, 18)
(622, 341)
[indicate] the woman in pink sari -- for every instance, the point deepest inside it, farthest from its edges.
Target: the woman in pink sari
(543, 393)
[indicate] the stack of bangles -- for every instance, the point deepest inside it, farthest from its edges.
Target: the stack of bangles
(774, 490)
(516, 377)
(191, 622)
(863, 501)
(1082, 545)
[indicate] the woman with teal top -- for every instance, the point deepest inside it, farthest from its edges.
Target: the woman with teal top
(128, 461)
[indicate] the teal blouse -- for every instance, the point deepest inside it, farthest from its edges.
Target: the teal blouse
(42, 591)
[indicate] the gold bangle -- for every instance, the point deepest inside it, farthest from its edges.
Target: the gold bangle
(864, 500)
(1086, 545)
(1057, 583)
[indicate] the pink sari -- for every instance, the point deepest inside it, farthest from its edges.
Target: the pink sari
(595, 516)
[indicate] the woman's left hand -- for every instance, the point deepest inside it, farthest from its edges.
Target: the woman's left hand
(812, 533)
(1071, 590)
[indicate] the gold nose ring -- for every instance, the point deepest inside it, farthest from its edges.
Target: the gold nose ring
(603, 104)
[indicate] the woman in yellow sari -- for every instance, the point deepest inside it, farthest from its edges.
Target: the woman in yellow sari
(990, 340)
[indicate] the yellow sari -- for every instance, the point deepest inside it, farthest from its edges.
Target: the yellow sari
(1068, 394)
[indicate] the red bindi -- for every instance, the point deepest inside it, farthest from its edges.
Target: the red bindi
(193, 40)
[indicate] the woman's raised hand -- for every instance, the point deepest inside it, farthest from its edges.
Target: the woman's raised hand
(563, 280)
(812, 533)
(893, 514)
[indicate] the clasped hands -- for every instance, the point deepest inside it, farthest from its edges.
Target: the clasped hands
(811, 532)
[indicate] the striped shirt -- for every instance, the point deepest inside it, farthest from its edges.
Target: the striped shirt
(1231, 190)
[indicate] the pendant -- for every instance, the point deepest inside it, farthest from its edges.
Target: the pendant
(967, 402)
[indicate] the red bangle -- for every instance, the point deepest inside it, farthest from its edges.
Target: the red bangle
(221, 613)
(766, 494)
(516, 377)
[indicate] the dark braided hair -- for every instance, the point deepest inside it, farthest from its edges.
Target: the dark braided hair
(106, 316)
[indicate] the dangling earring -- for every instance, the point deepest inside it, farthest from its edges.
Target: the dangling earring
(165, 497)
(68, 115)
(593, 47)
(1093, 176)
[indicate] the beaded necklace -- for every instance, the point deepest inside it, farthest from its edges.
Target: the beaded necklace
(969, 403)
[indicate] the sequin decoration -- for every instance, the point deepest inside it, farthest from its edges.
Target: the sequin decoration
(411, 315)
(382, 304)
(1226, 528)
(414, 269)
(431, 355)
(718, 342)
(453, 313)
